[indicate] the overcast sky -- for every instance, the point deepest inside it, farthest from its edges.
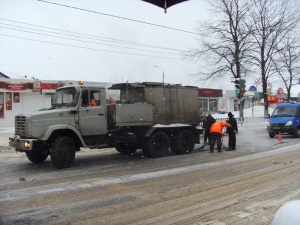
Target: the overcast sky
(101, 40)
(50, 41)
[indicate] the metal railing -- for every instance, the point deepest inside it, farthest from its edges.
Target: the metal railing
(247, 119)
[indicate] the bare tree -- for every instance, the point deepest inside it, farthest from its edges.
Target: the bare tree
(226, 41)
(273, 20)
(226, 44)
(287, 62)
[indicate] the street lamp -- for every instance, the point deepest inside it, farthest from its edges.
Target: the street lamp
(162, 71)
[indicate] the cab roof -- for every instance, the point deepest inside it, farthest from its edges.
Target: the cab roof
(292, 103)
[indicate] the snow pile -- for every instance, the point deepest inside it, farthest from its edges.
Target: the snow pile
(258, 111)
(288, 214)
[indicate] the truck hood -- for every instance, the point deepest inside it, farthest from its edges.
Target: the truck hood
(280, 120)
(48, 113)
(38, 121)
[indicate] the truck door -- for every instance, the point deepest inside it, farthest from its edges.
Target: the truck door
(92, 112)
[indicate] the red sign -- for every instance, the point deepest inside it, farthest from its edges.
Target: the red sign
(37, 86)
(207, 92)
(13, 87)
(274, 100)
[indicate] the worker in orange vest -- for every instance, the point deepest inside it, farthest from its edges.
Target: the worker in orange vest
(111, 100)
(216, 132)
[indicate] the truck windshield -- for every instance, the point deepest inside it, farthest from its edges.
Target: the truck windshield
(65, 97)
(285, 111)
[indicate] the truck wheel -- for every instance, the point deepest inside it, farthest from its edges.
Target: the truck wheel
(63, 152)
(36, 156)
(297, 133)
(157, 145)
(271, 135)
(183, 143)
(125, 148)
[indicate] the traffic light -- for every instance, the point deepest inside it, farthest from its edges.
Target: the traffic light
(242, 84)
(237, 84)
(242, 91)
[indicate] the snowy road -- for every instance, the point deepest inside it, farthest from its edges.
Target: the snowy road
(245, 186)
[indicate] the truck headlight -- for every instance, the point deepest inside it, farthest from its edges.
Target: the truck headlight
(288, 124)
(27, 144)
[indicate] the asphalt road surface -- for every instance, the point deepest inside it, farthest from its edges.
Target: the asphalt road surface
(245, 186)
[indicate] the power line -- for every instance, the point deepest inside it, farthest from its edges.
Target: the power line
(89, 36)
(119, 17)
(49, 35)
(61, 24)
(103, 50)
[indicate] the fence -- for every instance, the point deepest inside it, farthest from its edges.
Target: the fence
(247, 119)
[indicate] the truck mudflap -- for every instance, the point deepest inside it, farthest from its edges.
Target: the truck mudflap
(20, 144)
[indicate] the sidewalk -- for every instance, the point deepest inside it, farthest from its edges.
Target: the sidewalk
(5, 132)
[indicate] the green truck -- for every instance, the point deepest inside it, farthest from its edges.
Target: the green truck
(154, 117)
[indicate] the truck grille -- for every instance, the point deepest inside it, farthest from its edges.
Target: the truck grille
(21, 125)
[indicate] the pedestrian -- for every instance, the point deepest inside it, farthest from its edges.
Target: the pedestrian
(111, 100)
(216, 132)
(232, 131)
(92, 101)
(209, 120)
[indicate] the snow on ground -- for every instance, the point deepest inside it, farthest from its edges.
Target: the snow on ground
(257, 111)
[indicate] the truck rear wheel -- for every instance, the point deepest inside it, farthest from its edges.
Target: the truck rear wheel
(125, 148)
(157, 145)
(63, 152)
(36, 156)
(183, 143)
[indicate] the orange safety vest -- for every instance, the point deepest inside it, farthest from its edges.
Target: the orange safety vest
(111, 100)
(218, 127)
(93, 102)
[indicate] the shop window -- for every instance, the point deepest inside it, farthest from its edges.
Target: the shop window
(8, 101)
(1, 104)
(16, 97)
(204, 105)
(213, 105)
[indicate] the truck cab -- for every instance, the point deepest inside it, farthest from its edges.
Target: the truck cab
(285, 119)
(71, 122)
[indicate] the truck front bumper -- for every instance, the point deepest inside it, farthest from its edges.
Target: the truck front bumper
(20, 144)
(281, 129)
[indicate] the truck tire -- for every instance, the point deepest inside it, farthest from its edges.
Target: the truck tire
(183, 143)
(36, 156)
(63, 152)
(297, 133)
(157, 145)
(125, 148)
(271, 135)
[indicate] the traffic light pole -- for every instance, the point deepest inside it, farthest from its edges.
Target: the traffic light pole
(240, 85)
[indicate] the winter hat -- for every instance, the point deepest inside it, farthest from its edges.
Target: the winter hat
(230, 114)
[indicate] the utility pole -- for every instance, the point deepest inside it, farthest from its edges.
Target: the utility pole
(162, 71)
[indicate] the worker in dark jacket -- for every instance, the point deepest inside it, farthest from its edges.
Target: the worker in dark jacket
(209, 120)
(232, 131)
